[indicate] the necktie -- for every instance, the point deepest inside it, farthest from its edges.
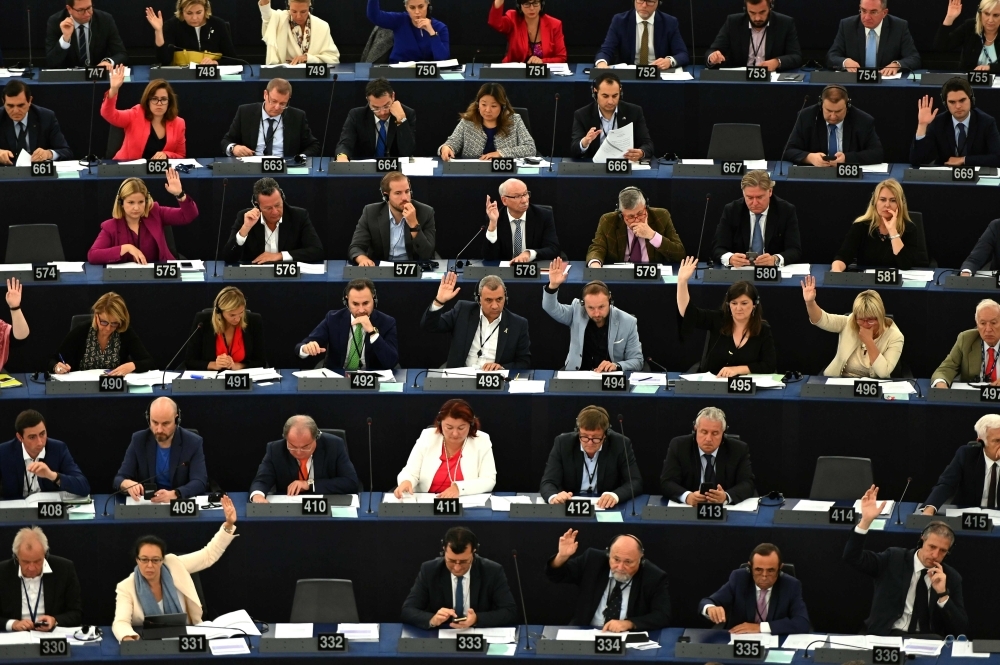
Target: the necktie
(354, 353)
(762, 605)
(518, 238)
(22, 139)
(304, 469)
(991, 365)
(960, 146)
(991, 498)
(920, 621)
(831, 148)
(635, 253)
(644, 47)
(380, 146)
(757, 242)
(710, 470)
(269, 137)
(613, 610)
(871, 50)
(81, 39)
(460, 597)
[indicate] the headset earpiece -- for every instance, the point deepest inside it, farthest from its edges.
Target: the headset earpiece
(604, 287)
(642, 549)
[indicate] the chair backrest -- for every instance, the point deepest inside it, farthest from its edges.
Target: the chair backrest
(336, 432)
(168, 235)
(196, 578)
(786, 568)
(379, 46)
(79, 320)
(116, 136)
(34, 243)
(736, 142)
(841, 478)
(324, 601)
(525, 116)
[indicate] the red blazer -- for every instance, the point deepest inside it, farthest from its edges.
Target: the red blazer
(114, 233)
(136, 127)
(512, 25)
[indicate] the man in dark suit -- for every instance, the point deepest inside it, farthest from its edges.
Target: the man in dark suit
(532, 228)
(593, 122)
(834, 127)
(619, 589)
(38, 590)
(974, 473)
(706, 466)
(174, 455)
(273, 128)
(82, 36)
(874, 40)
(916, 593)
(304, 461)
(32, 462)
(963, 136)
(272, 231)
(757, 37)
(986, 253)
(594, 460)
(357, 336)
(398, 229)
(382, 128)
(643, 36)
(760, 226)
(759, 598)
(485, 334)
(33, 129)
(460, 583)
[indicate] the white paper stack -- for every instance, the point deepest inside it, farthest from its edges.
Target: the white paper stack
(492, 635)
(359, 632)
(231, 624)
(701, 376)
(502, 504)
(930, 648)
(586, 374)
(153, 377)
(82, 375)
(322, 373)
(524, 387)
(803, 640)
(284, 631)
(875, 168)
(647, 379)
(312, 268)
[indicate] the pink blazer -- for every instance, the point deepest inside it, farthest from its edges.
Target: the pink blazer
(136, 127)
(114, 233)
(512, 25)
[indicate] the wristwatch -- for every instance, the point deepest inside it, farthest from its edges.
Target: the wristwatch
(373, 332)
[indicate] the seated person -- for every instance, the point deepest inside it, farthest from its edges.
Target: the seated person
(173, 456)
(986, 254)
(770, 40)
(229, 336)
(13, 334)
(602, 338)
(870, 342)
(643, 36)
(575, 469)
(134, 234)
(270, 232)
(415, 35)
(31, 462)
(107, 342)
(48, 578)
(451, 458)
(976, 36)
(304, 461)
(484, 334)
(488, 129)
(273, 128)
(876, 237)
(83, 36)
(740, 340)
(706, 466)
(35, 129)
(358, 336)
(874, 40)
(294, 36)
(834, 127)
(395, 129)
(533, 36)
(648, 233)
(161, 583)
(963, 136)
(192, 34)
(522, 237)
(759, 229)
(971, 478)
(640, 597)
(975, 354)
(443, 590)
(153, 128)
(759, 598)
(593, 122)
(407, 224)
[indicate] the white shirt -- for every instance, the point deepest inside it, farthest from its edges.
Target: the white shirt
(30, 483)
(281, 490)
(397, 238)
(491, 236)
(638, 36)
(63, 44)
(758, 38)
(466, 590)
(986, 481)
(598, 618)
(763, 234)
(270, 239)
(765, 627)
(34, 587)
(485, 340)
(903, 623)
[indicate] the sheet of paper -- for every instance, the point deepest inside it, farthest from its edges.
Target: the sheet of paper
(892, 77)
(843, 381)
(82, 375)
(425, 169)
(19, 637)
(917, 275)
(802, 640)
(755, 164)
(524, 387)
(676, 76)
(229, 646)
(23, 159)
(778, 656)
(698, 162)
(702, 376)
(10, 267)
(312, 268)
(884, 641)
(574, 374)
(814, 506)
(745, 506)
(299, 66)
(848, 641)
(417, 497)
(886, 511)
(470, 371)
(768, 640)
(359, 632)
(923, 647)
(68, 266)
(69, 166)
(442, 64)
(584, 634)
(647, 379)
(964, 650)
(615, 144)
(898, 388)
(322, 373)
(474, 500)
(289, 630)
(795, 269)
(151, 378)
(875, 168)
(492, 635)
(501, 504)
(281, 498)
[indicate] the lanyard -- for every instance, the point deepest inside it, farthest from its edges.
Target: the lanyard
(28, 478)
(482, 342)
(590, 475)
(756, 49)
(32, 612)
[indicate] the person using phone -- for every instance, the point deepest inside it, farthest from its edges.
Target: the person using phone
(38, 590)
(758, 229)
(834, 131)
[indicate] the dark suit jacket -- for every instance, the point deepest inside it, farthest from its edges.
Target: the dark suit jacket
(358, 137)
(648, 599)
(682, 468)
(332, 469)
(60, 589)
(564, 468)
(588, 117)
(982, 147)
(43, 132)
(132, 349)
(57, 457)
(619, 45)
(610, 243)
(462, 321)
(334, 333)
(298, 138)
(986, 253)
(951, 37)
(861, 144)
(105, 42)
(201, 348)
(489, 594)
(781, 230)
(894, 44)
(786, 611)
(372, 237)
(188, 473)
(215, 38)
(892, 570)
(962, 481)
(296, 235)
(539, 234)
(781, 41)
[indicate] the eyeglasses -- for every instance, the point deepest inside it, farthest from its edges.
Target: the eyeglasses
(638, 217)
(274, 208)
(533, 5)
(870, 322)
(280, 105)
(377, 109)
(651, 3)
(871, 12)
(85, 10)
(162, 101)
(516, 197)
(302, 449)
(591, 439)
(104, 324)
(156, 561)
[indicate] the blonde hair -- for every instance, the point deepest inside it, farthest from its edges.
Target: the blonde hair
(129, 187)
(229, 298)
(868, 305)
(182, 6)
(760, 178)
(871, 215)
(114, 304)
(984, 6)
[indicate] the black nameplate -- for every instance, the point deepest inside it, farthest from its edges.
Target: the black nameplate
(318, 70)
(470, 643)
(975, 522)
(613, 382)
(97, 74)
(989, 394)
(157, 166)
(766, 274)
(46, 273)
(387, 164)
(740, 385)
(647, 73)
(237, 382)
(608, 645)
(963, 174)
(426, 71)
(842, 515)
(53, 646)
(850, 171)
(747, 649)
(866, 75)
(710, 511)
(111, 384)
(192, 644)
(51, 510)
(536, 72)
(886, 656)
(315, 506)
(364, 381)
(331, 642)
(647, 271)
(272, 165)
(488, 381)
(863, 388)
(404, 269)
(207, 72)
(43, 169)
(447, 507)
(618, 166)
(286, 269)
(758, 74)
(184, 507)
(503, 165)
(980, 78)
(525, 270)
(579, 508)
(166, 271)
(733, 168)
(886, 276)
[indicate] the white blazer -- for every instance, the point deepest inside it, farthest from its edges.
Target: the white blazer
(889, 344)
(478, 469)
(128, 611)
(281, 45)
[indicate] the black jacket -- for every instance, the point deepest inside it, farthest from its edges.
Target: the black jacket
(334, 334)
(358, 138)
(296, 235)
(539, 234)
(758, 353)
(43, 132)
(462, 321)
(489, 594)
(187, 470)
(333, 471)
(105, 42)
(963, 480)
(60, 589)
(781, 41)
(781, 230)
(860, 142)
(201, 348)
(132, 349)
(298, 138)
(786, 611)
(179, 36)
(372, 234)
(682, 468)
(986, 254)
(951, 37)
(588, 117)
(895, 44)
(982, 147)
(564, 468)
(864, 249)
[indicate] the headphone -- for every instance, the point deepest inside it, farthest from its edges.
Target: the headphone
(520, 12)
(604, 77)
(288, 3)
(966, 88)
(177, 420)
(772, 499)
(604, 289)
(256, 204)
(121, 201)
(607, 431)
(834, 86)
(479, 289)
(430, 7)
(368, 285)
(227, 290)
(642, 550)
(936, 524)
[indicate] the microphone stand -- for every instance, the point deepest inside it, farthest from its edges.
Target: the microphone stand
(631, 487)
(29, 73)
(693, 50)
(371, 483)
(524, 608)
(458, 264)
(218, 238)
(326, 129)
(897, 508)
(91, 159)
(701, 235)
(781, 157)
(121, 491)
(163, 381)
(555, 120)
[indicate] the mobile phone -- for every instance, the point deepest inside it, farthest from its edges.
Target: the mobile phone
(459, 619)
(148, 494)
(705, 487)
(187, 264)
(41, 624)
(829, 158)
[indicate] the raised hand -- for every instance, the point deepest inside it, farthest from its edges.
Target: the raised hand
(954, 11)
(591, 136)
(66, 27)
(557, 273)
(155, 19)
(173, 184)
(447, 289)
(808, 288)
(687, 268)
(229, 509)
(117, 78)
(870, 507)
(13, 292)
(568, 544)
(493, 212)
(926, 111)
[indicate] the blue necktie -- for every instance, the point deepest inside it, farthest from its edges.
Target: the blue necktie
(871, 50)
(381, 144)
(960, 146)
(81, 38)
(757, 242)
(459, 597)
(517, 238)
(832, 148)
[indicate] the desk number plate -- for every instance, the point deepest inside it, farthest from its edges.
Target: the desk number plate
(866, 389)
(447, 507)
(850, 171)
(192, 644)
(503, 165)
(317, 71)
(963, 174)
(646, 271)
(579, 508)
(975, 522)
(758, 74)
(166, 271)
(618, 167)
(237, 382)
(331, 642)
(841, 515)
(46, 273)
(647, 73)
(157, 166)
(710, 511)
(184, 508)
(766, 274)
(887, 276)
(51, 510)
(740, 385)
(403, 269)
(364, 381)
(53, 646)
(980, 78)
(537, 72)
(288, 269)
(747, 649)
(733, 168)
(989, 394)
(207, 72)
(387, 164)
(869, 75)
(427, 71)
(886, 656)
(525, 270)
(470, 643)
(315, 506)
(111, 384)
(608, 646)
(97, 74)
(614, 382)
(272, 165)
(42, 169)
(488, 381)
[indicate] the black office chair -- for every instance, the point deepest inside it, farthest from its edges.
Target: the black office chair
(336, 432)
(562, 254)
(841, 478)
(116, 137)
(79, 320)
(704, 354)
(34, 243)
(324, 601)
(168, 235)
(196, 578)
(735, 142)
(786, 568)
(918, 222)
(378, 47)
(525, 116)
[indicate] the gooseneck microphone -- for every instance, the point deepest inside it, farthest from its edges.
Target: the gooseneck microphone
(326, 129)
(524, 608)
(218, 238)
(899, 511)
(701, 234)
(693, 49)
(29, 73)
(781, 157)
(123, 490)
(555, 119)
(631, 487)
(425, 371)
(653, 362)
(163, 381)
(459, 264)
(91, 160)
(371, 483)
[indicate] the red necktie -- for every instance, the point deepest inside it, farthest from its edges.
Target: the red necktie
(304, 469)
(991, 365)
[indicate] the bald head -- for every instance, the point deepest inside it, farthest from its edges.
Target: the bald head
(163, 415)
(514, 195)
(624, 557)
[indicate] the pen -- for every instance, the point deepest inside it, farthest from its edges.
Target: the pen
(197, 376)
